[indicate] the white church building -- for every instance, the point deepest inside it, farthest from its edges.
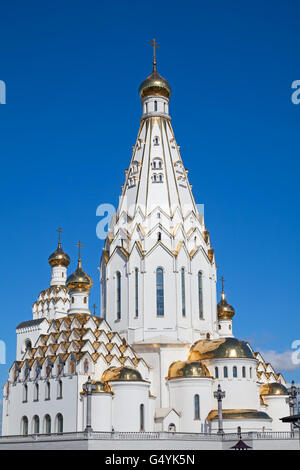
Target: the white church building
(154, 358)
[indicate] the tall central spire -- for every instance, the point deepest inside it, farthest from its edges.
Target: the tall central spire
(156, 241)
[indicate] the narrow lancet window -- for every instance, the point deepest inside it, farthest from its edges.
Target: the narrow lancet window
(159, 292)
(118, 295)
(142, 418)
(196, 407)
(200, 294)
(183, 291)
(136, 292)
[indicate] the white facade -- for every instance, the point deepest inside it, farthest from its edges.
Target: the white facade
(162, 346)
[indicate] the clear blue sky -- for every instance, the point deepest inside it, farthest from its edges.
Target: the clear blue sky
(72, 71)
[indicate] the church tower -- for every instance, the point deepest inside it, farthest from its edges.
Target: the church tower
(158, 271)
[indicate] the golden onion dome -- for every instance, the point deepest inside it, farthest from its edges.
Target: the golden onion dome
(121, 374)
(220, 348)
(225, 311)
(273, 388)
(98, 387)
(187, 369)
(79, 279)
(155, 84)
(59, 257)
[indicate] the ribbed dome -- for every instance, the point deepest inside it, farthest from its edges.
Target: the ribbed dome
(59, 257)
(155, 85)
(273, 388)
(220, 348)
(79, 279)
(187, 369)
(122, 374)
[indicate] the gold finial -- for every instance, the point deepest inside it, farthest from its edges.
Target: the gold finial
(223, 293)
(79, 244)
(94, 309)
(153, 43)
(59, 230)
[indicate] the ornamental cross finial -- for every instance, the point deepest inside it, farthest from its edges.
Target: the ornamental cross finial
(94, 309)
(59, 230)
(79, 244)
(222, 280)
(153, 43)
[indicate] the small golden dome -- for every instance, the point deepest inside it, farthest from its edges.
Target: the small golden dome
(79, 279)
(121, 374)
(225, 311)
(99, 387)
(155, 85)
(220, 348)
(187, 369)
(238, 414)
(59, 257)
(273, 388)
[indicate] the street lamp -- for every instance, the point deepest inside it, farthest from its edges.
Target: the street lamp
(89, 388)
(219, 395)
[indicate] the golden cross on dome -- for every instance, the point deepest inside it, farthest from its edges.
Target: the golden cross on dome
(59, 230)
(79, 244)
(153, 43)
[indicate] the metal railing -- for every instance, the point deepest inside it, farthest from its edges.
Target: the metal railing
(178, 436)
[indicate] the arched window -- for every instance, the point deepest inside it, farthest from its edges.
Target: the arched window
(159, 292)
(28, 344)
(36, 425)
(73, 300)
(216, 372)
(72, 366)
(136, 273)
(156, 140)
(250, 372)
(59, 389)
(171, 427)
(24, 426)
(244, 371)
(234, 371)
(118, 295)
(85, 300)
(155, 105)
(59, 423)
(160, 178)
(47, 424)
(183, 292)
(36, 392)
(159, 236)
(47, 394)
(207, 335)
(225, 372)
(25, 393)
(200, 294)
(142, 418)
(196, 407)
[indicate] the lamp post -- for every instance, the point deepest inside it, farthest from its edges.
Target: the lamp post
(293, 392)
(219, 395)
(88, 388)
